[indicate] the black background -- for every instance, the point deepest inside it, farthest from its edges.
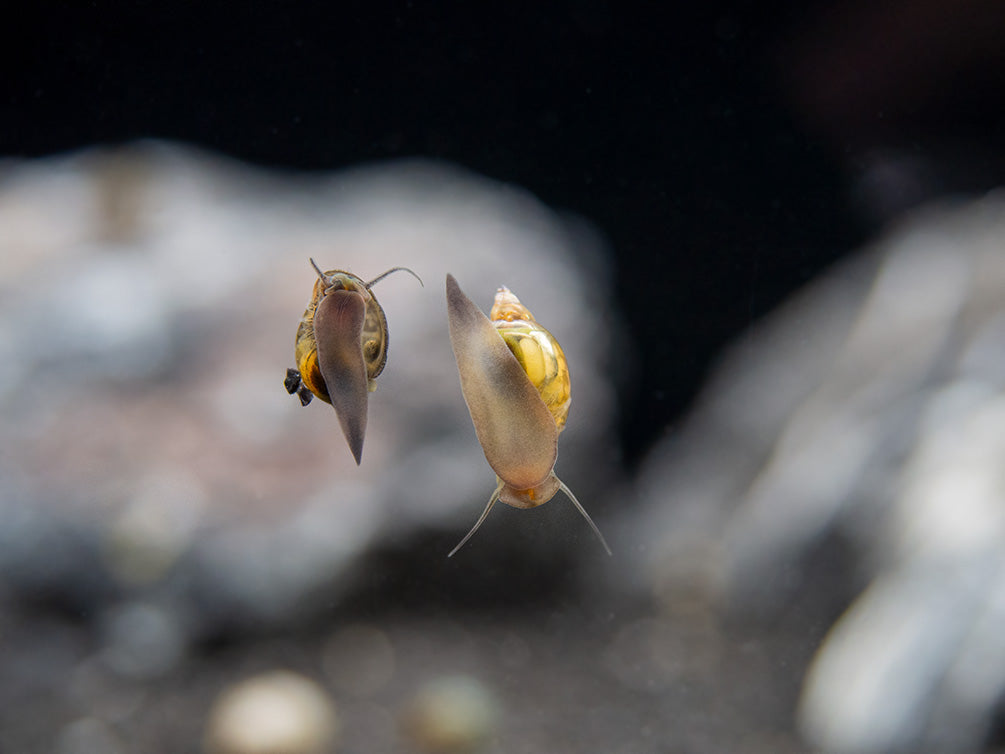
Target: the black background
(691, 135)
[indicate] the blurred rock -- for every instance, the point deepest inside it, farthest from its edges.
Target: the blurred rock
(154, 528)
(369, 727)
(853, 445)
(88, 736)
(150, 300)
(451, 714)
(359, 660)
(142, 641)
(274, 713)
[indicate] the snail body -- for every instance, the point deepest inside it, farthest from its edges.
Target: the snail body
(515, 381)
(341, 349)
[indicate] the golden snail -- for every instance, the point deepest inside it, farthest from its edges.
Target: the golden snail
(341, 349)
(515, 381)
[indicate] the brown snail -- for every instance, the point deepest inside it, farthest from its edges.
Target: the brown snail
(341, 348)
(515, 381)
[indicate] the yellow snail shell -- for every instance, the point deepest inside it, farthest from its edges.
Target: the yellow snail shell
(341, 349)
(515, 381)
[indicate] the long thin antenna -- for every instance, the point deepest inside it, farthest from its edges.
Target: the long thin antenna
(394, 269)
(481, 520)
(318, 270)
(581, 509)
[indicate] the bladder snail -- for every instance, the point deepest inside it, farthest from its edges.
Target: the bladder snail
(515, 382)
(341, 348)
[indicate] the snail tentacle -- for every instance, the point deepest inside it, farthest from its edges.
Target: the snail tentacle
(394, 269)
(581, 509)
(318, 271)
(480, 521)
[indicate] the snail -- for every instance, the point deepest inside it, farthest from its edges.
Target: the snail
(515, 381)
(341, 349)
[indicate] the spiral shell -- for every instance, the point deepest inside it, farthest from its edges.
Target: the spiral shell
(515, 381)
(539, 354)
(341, 349)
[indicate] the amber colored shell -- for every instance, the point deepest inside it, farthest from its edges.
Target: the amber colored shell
(515, 382)
(538, 352)
(373, 339)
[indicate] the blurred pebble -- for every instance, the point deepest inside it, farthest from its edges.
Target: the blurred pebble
(359, 660)
(88, 736)
(142, 641)
(274, 713)
(368, 728)
(94, 688)
(147, 536)
(452, 714)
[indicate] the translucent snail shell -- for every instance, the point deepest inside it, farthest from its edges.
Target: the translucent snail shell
(341, 349)
(515, 381)
(539, 354)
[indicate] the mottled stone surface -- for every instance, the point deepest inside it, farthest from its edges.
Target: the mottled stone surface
(151, 297)
(849, 452)
(160, 488)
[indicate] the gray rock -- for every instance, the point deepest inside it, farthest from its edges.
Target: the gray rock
(151, 299)
(864, 418)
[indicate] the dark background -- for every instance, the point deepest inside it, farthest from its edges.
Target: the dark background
(728, 152)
